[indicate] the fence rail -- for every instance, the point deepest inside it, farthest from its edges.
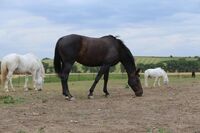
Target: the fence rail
(18, 80)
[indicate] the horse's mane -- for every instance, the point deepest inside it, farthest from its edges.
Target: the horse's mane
(126, 53)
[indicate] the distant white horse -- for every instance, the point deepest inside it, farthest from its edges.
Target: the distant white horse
(22, 64)
(156, 73)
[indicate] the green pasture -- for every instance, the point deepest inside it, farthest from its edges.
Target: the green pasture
(18, 80)
(79, 86)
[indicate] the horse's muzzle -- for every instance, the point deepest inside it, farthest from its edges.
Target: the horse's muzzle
(139, 93)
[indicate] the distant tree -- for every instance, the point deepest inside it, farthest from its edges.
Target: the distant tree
(74, 68)
(46, 66)
(46, 58)
(171, 65)
(94, 69)
(141, 66)
(51, 69)
(85, 68)
(112, 69)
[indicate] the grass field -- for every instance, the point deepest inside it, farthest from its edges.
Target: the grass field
(161, 109)
(167, 109)
(18, 80)
(80, 86)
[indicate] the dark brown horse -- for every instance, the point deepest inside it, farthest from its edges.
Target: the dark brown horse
(104, 52)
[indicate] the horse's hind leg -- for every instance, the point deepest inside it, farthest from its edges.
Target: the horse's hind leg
(100, 73)
(64, 80)
(26, 82)
(8, 79)
(106, 75)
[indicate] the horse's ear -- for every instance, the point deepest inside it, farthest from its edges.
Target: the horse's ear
(137, 71)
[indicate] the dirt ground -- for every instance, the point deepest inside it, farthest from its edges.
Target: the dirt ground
(169, 109)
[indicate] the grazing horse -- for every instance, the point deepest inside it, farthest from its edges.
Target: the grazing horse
(22, 64)
(156, 73)
(104, 52)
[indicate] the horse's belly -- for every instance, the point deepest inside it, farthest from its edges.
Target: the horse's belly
(89, 61)
(21, 71)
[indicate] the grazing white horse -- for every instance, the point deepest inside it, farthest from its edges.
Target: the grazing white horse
(156, 73)
(22, 64)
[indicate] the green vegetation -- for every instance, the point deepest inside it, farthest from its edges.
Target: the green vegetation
(10, 100)
(21, 131)
(171, 64)
(159, 130)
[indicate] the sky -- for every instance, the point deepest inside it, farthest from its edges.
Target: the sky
(147, 27)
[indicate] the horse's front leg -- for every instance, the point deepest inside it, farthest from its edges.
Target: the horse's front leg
(26, 82)
(99, 75)
(34, 80)
(156, 79)
(106, 76)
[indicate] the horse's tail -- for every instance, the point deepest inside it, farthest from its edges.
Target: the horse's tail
(4, 72)
(57, 59)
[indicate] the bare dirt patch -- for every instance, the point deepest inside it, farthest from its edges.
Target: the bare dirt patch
(172, 109)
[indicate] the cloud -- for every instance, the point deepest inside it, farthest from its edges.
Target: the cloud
(148, 27)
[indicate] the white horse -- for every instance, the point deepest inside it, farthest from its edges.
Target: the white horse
(156, 73)
(22, 64)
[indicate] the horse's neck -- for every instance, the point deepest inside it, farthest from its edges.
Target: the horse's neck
(127, 61)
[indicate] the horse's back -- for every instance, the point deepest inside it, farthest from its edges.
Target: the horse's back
(10, 61)
(21, 63)
(87, 50)
(156, 72)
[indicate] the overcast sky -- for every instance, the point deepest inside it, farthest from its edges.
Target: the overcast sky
(147, 27)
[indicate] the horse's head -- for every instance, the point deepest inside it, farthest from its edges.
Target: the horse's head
(40, 79)
(165, 80)
(135, 84)
(39, 83)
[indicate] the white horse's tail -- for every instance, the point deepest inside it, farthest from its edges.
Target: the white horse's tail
(4, 72)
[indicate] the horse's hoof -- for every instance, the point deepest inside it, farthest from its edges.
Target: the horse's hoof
(39, 90)
(69, 98)
(72, 99)
(107, 95)
(90, 97)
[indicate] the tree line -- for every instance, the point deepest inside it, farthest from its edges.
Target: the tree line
(179, 65)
